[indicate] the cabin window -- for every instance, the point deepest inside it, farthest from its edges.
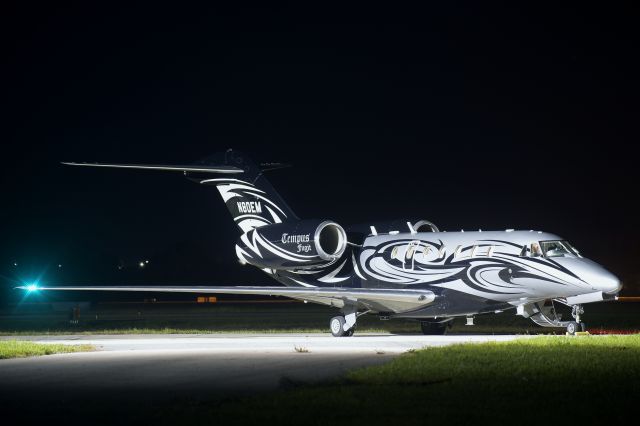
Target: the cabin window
(410, 251)
(481, 250)
(426, 253)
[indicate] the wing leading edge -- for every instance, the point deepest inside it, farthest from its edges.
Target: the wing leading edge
(391, 299)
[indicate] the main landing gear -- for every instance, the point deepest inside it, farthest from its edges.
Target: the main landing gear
(345, 325)
(337, 327)
(575, 326)
(433, 328)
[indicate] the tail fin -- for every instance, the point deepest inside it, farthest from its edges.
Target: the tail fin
(249, 196)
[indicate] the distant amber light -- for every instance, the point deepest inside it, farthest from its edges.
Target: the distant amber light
(206, 299)
(628, 299)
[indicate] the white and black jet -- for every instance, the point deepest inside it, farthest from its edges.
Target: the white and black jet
(400, 269)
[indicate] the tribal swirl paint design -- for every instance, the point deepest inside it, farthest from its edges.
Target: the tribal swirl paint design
(488, 268)
(250, 206)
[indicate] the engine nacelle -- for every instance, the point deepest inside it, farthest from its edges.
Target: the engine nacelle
(425, 226)
(402, 225)
(398, 225)
(305, 244)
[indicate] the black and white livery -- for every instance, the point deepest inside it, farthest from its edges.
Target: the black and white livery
(401, 269)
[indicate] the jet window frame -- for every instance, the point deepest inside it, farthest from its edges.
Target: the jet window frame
(524, 251)
(411, 250)
(566, 244)
(479, 250)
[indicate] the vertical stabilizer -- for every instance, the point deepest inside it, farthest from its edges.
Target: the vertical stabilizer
(249, 196)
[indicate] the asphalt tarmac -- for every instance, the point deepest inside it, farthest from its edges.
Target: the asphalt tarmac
(133, 370)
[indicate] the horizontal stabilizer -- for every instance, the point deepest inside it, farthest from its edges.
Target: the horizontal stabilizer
(174, 168)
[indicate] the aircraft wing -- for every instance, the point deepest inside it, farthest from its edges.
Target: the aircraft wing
(177, 168)
(395, 300)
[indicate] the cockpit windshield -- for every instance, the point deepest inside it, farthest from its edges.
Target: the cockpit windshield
(557, 249)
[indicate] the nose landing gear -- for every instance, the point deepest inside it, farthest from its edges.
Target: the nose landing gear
(545, 314)
(574, 326)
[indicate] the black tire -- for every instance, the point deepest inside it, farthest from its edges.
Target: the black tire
(336, 325)
(350, 332)
(583, 326)
(433, 328)
(572, 328)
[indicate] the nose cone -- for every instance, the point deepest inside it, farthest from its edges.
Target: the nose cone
(609, 283)
(599, 278)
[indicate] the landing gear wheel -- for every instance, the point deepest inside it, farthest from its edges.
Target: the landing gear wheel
(337, 326)
(583, 326)
(572, 328)
(433, 328)
(350, 332)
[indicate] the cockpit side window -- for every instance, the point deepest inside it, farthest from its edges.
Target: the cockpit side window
(573, 249)
(557, 249)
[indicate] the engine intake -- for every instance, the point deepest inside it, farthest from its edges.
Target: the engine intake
(305, 244)
(425, 226)
(330, 240)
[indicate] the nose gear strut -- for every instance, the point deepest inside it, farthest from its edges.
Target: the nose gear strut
(575, 326)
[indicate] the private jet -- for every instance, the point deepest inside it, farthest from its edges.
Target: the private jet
(399, 269)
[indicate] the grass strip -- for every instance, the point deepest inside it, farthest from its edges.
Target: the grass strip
(20, 349)
(537, 380)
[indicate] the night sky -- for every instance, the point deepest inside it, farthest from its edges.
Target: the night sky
(469, 117)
